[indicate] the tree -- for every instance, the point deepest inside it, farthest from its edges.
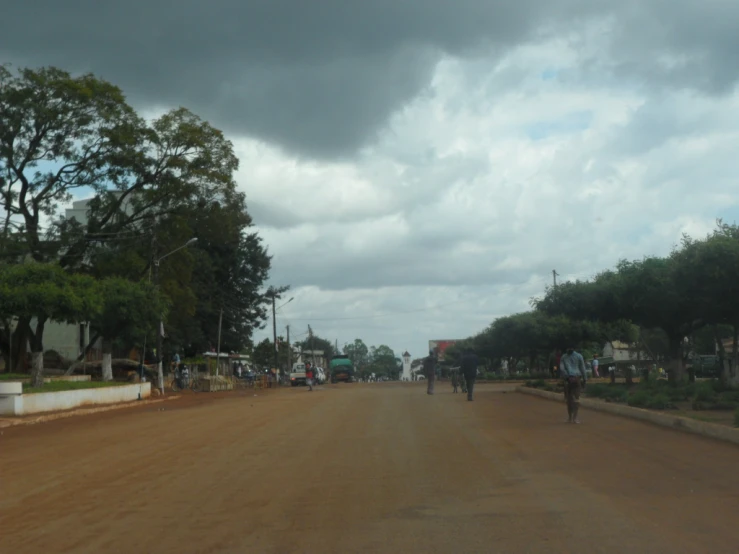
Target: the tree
(382, 361)
(151, 185)
(263, 353)
(706, 273)
(46, 292)
(129, 311)
(318, 343)
(358, 353)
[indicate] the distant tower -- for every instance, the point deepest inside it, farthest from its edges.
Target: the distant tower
(406, 376)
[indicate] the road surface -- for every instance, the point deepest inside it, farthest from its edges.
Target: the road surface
(363, 468)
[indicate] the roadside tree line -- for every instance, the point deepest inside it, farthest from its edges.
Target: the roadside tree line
(673, 307)
(380, 360)
(153, 186)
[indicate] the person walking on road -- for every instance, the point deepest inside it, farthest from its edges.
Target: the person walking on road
(455, 381)
(429, 369)
(469, 370)
(309, 378)
(594, 365)
(572, 369)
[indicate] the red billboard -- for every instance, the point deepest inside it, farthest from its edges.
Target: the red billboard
(441, 346)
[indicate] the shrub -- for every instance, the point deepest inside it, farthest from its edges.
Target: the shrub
(598, 390)
(659, 402)
(639, 399)
(705, 394)
(608, 392)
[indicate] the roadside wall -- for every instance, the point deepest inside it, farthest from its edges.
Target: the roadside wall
(66, 400)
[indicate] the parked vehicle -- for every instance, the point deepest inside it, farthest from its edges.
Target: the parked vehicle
(319, 375)
(297, 375)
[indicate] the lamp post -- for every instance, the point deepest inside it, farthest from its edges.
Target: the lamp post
(160, 369)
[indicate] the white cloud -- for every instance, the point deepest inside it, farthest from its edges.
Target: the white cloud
(457, 210)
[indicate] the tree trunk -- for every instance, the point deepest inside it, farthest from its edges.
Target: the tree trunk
(81, 358)
(734, 377)
(107, 367)
(629, 375)
(20, 345)
(677, 370)
(724, 376)
(37, 354)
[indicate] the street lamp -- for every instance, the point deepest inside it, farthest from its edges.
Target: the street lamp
(160, 369)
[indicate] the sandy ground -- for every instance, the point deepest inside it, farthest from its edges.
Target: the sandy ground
(363, 468)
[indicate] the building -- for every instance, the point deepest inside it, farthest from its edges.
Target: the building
(406, 374)
(70, 340)
(315, 357)
(617, 351)
(441, 345)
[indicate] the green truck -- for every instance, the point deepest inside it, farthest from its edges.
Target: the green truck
(341, 369)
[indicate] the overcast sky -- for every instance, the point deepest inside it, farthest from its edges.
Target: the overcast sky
(418, 167)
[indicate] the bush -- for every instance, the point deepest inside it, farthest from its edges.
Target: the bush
(639, 399)
(608, 392)
(659, 402)
(705, 394)
(598, 390)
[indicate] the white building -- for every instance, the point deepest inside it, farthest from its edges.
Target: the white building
(406, 375)
(623, 352)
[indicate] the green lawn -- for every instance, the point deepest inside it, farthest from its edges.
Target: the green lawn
(57, 386)
(13, 376)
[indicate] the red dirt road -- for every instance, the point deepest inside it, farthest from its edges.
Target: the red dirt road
(363, 468)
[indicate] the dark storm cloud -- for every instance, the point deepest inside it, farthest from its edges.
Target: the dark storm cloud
(318, 77)
(321, 77)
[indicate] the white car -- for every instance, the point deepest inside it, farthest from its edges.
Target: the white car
(320, 375)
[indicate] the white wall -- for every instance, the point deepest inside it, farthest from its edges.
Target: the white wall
(66, 400)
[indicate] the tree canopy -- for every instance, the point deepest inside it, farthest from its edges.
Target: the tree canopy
(150, 187)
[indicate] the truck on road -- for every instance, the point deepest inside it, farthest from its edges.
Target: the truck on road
(341, 369)
(297, 375)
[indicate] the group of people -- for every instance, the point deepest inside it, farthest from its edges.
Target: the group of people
(468, 370)
(571, 370)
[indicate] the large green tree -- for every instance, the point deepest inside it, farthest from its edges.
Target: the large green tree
(358, 353)
(383, 362)
(46, 292)
(706, 273)
(129, 311)
(152, 186)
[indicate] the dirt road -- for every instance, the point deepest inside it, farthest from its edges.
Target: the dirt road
(363, 468)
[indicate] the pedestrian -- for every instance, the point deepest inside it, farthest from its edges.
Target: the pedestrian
(469, 371)
(309, 378)
(455, 381)
(594, 365)
(572, 369)
(429, 369)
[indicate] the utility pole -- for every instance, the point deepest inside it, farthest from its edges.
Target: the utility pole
(554, 277)
(289, 351)
(312, 346)
(218, 350)
(160, 327)
(274, 330)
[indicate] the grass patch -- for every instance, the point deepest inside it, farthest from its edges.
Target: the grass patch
(58, 386)
(13, 376)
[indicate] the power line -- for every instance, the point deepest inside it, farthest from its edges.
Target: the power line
(418, 310)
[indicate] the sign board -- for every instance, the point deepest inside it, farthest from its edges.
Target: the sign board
(441, 346)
